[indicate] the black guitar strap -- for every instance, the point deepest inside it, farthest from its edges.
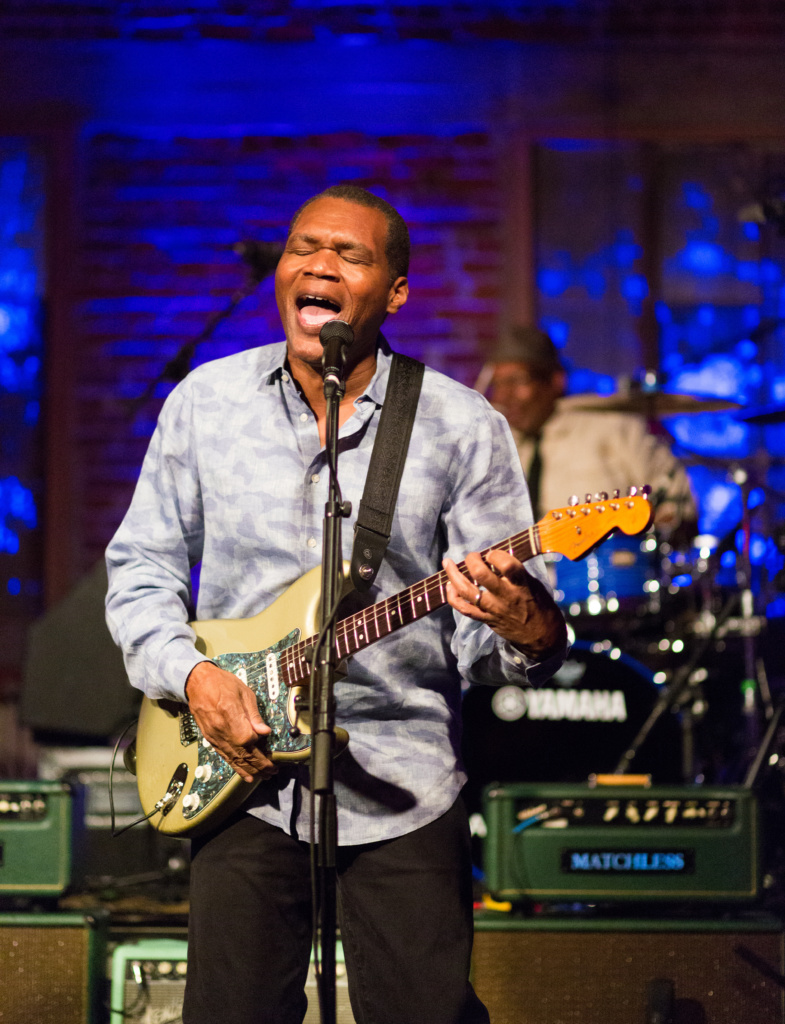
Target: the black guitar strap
(374, 520)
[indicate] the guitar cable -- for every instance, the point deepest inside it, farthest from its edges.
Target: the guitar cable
(165, 800)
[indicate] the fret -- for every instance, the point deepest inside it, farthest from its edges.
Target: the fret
(303, 663)
(291, 666)
(376, 621)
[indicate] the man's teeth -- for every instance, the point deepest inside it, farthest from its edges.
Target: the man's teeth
(318, 300)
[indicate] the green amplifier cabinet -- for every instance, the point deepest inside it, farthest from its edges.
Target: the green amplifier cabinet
(148, 983)
(36, 835)
(572, 842)
(148, 980)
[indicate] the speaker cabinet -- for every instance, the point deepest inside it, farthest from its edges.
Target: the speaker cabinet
(148, 984)
(52, 968)
(619, 972)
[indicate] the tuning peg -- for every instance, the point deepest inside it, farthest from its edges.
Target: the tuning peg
(645, 490)
(601, 496)
(616, 494)
(573, 499)
(588, 497)
(632, 491)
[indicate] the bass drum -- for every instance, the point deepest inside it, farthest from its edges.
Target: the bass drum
(580, 722)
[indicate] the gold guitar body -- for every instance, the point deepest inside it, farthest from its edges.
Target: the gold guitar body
(184, 784)
(171, 755)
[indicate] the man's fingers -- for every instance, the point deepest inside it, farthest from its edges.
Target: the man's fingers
(257, 723)
(229, 719)
(463, 594)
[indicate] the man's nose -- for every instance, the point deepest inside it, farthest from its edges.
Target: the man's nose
(323, 263)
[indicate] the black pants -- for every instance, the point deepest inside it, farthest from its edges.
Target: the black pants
(405, 911)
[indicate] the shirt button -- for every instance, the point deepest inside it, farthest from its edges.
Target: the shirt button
(285, 378)
(517, 660)
(315, 478)
(311, 542)
(303, 416)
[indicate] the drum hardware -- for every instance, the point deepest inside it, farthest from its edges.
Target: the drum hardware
(671, 697)
(734, 626)
(766, 754)
(577, 724)
(653, 403)
(763, 416)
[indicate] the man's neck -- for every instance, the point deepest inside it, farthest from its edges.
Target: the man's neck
(309, 380)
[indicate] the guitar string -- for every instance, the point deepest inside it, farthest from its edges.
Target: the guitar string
(294, 657)
(524, 545)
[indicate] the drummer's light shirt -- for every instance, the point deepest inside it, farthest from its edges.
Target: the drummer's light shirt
(588, 452)
(235, 478)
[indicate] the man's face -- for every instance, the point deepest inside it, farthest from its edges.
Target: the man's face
(334, 267)
(526, 401)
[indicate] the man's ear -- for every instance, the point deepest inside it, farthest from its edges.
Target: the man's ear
(399, 293)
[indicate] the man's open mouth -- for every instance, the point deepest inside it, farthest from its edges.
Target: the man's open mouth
(316, 310)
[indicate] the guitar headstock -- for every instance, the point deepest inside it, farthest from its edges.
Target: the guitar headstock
(574, 530)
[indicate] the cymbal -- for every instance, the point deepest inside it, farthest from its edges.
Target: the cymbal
(652, 404)
(764, 415)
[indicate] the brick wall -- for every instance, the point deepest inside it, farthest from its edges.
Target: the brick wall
(276, 21)
(160, 217)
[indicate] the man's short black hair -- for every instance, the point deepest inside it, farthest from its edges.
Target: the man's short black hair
(397, 246)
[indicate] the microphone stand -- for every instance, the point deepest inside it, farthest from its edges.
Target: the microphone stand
(323, 680)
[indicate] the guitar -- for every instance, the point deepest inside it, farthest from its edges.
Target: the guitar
(185, 786)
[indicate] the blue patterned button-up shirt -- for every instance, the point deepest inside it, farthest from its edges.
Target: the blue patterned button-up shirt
(236, 478)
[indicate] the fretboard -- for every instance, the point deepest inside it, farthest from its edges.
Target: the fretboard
(365, 627)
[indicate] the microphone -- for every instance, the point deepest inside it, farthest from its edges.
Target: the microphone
(261, 257)
(336, 336)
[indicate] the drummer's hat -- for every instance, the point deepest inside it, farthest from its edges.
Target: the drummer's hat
(527, 345)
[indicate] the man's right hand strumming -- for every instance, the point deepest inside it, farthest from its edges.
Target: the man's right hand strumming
(228, 717)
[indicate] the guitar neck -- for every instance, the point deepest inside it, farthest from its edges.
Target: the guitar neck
(365, 627)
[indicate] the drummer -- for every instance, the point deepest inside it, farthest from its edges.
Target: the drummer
(566, 451)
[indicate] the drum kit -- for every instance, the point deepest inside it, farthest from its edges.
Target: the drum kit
(666, 675)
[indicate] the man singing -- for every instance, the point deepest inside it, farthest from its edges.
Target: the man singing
(236, 478)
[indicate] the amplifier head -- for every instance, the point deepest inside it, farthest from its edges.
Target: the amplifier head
(36, 834)
(572, 842)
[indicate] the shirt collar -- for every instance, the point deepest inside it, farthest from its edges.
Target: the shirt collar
(272, 360)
